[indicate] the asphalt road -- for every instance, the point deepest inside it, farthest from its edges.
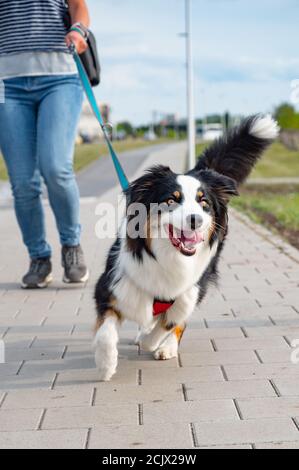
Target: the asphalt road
(100, 176)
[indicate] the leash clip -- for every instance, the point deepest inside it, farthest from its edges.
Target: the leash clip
(108, 128)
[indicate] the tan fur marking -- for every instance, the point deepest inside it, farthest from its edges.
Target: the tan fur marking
(177, 194)
(179, 331)
(109, 313)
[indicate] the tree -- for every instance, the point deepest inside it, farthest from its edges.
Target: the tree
(125, 126)
(287, 116)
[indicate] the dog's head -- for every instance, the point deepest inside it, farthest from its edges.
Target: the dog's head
(187, 210)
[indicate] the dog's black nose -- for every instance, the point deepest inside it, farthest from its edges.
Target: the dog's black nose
(194, 221)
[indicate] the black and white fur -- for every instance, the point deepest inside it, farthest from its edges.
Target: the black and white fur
(171, 267)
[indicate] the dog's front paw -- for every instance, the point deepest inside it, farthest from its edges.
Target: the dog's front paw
(165, 352)
(106, 365)
(106, 374)
(106, 354)
(168, 349)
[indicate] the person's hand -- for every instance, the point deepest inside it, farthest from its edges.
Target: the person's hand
(77, 40)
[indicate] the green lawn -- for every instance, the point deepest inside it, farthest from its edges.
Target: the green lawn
(278, 161)
(87, 153)
(276, 209)
(3, 174)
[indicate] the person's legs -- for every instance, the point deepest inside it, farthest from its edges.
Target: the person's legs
(58, 116)
(18, 119)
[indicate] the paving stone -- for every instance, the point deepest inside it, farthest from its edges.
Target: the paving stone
(90, 416)
(62, 341)
(260, 371)
(228, 447)
(218, 358)
(114, 393)
(232, 389)
(41, 329)
(31, 367)
(90, 376)
(213, 333)
(288, 386)
(250, 321)
(64, 439)
(278, 445)
(269, 407)
(19, 420)
(148, 436)
(187, 412)
(33, 354)
(275, 355)
(182, 375)
(10, 368)
(273, 331)
(246, 432)
(60, 397)
(190, 345)
(251, 344)
(13, 343)
(146, 361)
(36, 381)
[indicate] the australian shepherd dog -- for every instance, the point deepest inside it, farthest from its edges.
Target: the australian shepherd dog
(156, 274)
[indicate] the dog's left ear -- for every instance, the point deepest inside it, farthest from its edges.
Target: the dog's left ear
(224, 186)
(142, 189)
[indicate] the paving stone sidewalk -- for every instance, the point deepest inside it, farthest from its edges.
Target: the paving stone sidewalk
(233, 386)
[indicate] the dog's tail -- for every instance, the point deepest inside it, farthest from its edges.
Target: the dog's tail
(236, 154)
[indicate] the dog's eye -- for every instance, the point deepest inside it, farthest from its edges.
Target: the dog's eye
(204, 204)
(170, 202)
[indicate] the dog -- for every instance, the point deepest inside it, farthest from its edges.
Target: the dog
(159, 276)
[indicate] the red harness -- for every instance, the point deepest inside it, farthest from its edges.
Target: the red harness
(160, 306)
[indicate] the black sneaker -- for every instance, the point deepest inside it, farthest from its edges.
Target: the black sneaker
(39, 275)
(75, 270)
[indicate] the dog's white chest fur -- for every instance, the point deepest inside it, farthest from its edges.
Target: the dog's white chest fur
(165, 277)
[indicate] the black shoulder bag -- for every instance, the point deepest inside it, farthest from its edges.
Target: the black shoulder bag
(89, 58)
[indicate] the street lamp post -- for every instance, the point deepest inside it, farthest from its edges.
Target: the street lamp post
(190, 88)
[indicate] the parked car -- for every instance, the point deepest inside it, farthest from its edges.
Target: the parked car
(210, 131)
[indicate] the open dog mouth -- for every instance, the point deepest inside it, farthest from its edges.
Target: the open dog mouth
(185, 241)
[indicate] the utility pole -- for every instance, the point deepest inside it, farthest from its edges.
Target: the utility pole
(190, 88)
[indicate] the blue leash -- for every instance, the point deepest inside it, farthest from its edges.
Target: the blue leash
(92, 101)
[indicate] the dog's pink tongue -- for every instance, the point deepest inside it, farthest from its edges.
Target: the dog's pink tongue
(192, 237)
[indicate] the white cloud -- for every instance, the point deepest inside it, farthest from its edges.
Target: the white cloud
(245, 55)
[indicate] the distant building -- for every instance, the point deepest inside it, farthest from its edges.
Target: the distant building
(89, 128)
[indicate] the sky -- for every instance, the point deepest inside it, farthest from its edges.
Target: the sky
(245, 55)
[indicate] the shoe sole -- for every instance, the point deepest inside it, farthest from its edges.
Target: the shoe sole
(41, 285)
(85, 278)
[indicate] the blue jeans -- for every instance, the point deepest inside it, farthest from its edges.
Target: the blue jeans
(38, 124)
